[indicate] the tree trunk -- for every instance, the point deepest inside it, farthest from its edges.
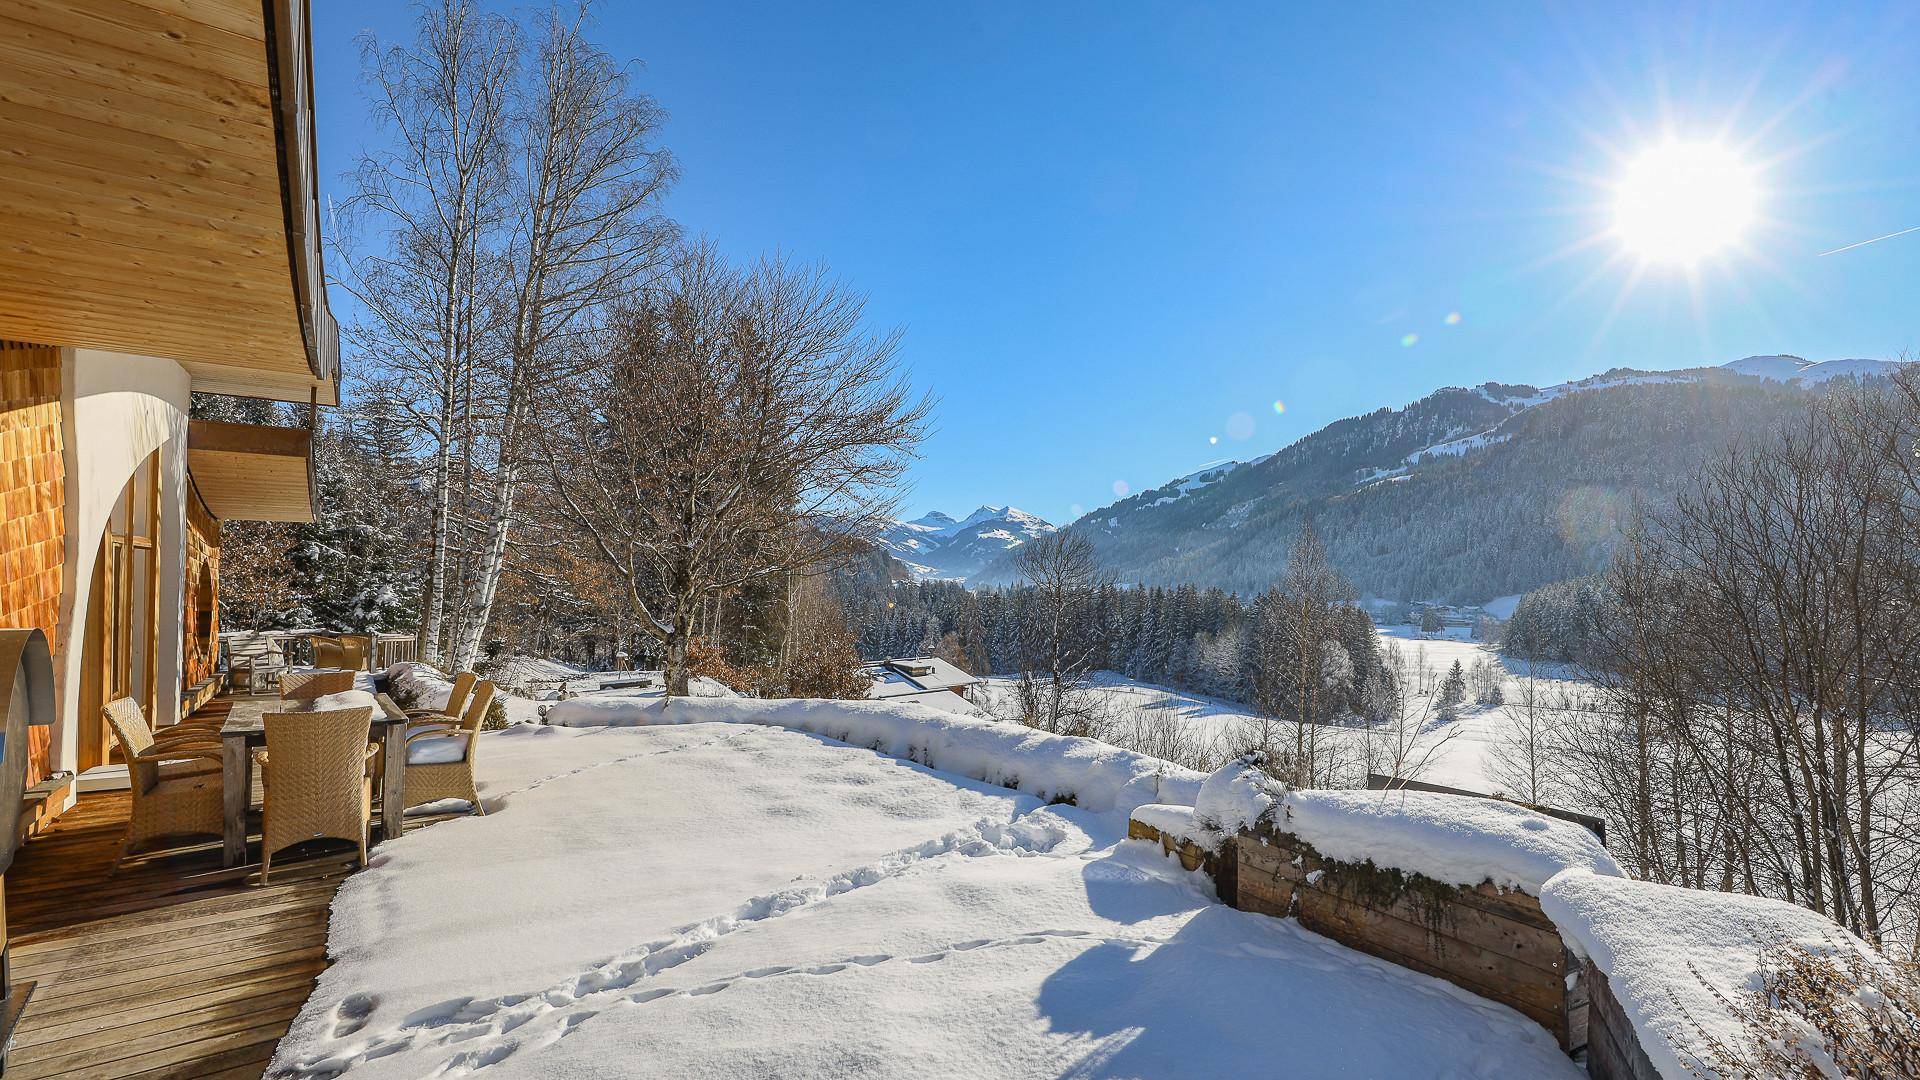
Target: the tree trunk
(493, 554)
(676, 661)
(428, 640)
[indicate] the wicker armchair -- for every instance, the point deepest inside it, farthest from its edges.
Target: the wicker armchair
(327, 652)
(356, 651)
(440, 756)
(298, 685)
(175, 779)
(314, 772)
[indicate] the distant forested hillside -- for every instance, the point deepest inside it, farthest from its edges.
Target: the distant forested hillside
(1464, 495)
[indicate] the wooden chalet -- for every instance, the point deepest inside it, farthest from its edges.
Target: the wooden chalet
(159, 235)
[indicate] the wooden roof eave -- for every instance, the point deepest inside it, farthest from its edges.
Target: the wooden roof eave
(290, 75)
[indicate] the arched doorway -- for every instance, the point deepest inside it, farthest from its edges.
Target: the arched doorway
(119, 647)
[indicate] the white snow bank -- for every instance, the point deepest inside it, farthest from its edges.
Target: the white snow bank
(1676, 958)
(1178, 822)
(1237, 796)
(1454, 839)
(1094, 775)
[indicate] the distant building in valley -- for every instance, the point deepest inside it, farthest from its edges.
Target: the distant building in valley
(927, 680)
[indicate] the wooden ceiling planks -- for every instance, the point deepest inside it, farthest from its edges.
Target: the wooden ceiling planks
(249, 472)
(141, 200)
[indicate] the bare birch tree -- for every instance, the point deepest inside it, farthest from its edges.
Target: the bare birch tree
(429, 198)
(582, 225)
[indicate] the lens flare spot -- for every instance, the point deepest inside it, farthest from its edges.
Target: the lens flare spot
(1075, 510)
(1239, 426)
(1213, 440)
(1453, 318)
(1120, 488)
(1408, 341)
(1279, 406)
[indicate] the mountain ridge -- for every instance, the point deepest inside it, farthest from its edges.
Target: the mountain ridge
(937, 546)
(1465, 494)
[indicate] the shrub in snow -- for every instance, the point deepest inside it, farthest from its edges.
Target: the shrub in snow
(1828, 1014)
(1732, 986)
(418, 686)
(414, 685)
(1238, 795)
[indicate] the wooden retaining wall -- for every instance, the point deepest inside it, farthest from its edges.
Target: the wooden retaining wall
(1496, 944)
(1613, 1050)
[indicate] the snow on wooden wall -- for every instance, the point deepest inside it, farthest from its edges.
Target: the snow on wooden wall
(32, 503)
(1496, 943)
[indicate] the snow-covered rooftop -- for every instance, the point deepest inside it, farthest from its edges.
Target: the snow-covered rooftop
(915, 674)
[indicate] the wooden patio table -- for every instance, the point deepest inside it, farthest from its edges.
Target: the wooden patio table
(246, 728)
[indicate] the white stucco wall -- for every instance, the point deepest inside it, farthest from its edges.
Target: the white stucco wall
(117, 410)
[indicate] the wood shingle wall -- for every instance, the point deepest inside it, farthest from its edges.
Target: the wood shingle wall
(32, 503)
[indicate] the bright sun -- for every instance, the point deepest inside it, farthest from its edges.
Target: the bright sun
(1680, 202)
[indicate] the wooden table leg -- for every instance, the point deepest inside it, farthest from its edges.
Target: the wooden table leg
(393, 793)
(236, 782)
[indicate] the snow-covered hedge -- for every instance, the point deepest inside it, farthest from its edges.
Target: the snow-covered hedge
(1236, 796)
(1095, 775)
(1686, 966)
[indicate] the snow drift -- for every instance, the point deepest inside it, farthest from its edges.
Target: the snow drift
(1679, 960)
(1094, 775)
(1454, 839)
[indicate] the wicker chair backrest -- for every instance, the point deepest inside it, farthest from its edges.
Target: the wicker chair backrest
(295, 685)
(457, 697)
(318, 751)
(129, 724)
(316, 775)
(476, 714)
(355, 651)
(327, 652)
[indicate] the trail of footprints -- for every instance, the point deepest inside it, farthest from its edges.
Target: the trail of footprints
(487, 1031)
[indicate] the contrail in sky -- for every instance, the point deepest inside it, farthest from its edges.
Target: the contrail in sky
(1864, 243)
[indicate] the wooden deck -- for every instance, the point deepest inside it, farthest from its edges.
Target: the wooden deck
(172, 967)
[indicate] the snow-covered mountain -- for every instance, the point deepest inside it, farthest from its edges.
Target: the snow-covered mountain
(937, 546)
(1468, 493)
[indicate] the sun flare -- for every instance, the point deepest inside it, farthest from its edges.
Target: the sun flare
(1680, 202)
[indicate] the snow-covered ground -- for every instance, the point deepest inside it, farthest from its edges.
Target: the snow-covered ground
(724, 899)
(1459, 754)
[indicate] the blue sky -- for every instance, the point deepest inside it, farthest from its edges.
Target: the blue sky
(1113, 232)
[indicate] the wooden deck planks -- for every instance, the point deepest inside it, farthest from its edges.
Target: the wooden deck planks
(170, 968)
